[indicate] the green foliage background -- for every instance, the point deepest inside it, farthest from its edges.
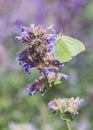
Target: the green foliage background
(15, 105)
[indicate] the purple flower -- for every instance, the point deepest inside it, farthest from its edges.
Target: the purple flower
(33, 88)
(61, 65)
(50, 48)
(18, 38)
(46, 71)
(28, 90)
(64, 76)
(39, 53)
(39, 41)
(50, 39)
(23, 29)
(70, 105)
(23, 57)
(57, 63)
(27, 68)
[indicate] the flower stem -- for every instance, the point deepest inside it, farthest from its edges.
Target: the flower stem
(68, 125)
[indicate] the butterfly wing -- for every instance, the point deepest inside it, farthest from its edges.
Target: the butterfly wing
(66, 48)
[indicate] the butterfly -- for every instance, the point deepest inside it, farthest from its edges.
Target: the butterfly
(67, 47)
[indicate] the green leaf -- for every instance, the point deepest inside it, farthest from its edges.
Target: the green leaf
(57, 81)
(66, 47)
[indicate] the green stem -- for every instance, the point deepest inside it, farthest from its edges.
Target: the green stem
(68, 125)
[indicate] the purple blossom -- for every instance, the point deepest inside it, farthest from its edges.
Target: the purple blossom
(40, 43)
(50, 47)
(46, 71)
(27, 68)
(61, 65)
(39, 53)
(78, 101)
(64, 76)
(58, 63)
(28, 87)
(35, 86)
(50, 39)
(18, 38)
(22, 56)
(23, 29)
(52, 105)
(70, 105)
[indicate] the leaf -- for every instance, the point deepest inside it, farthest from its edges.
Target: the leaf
(57, 81)
(67, 47)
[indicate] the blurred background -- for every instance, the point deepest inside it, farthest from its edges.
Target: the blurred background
(18, 111)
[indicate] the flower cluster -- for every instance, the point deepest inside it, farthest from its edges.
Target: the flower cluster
(39, 53)
(52, 77)
(70, 105)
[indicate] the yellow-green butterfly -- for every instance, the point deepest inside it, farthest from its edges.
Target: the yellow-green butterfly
(66, 47)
